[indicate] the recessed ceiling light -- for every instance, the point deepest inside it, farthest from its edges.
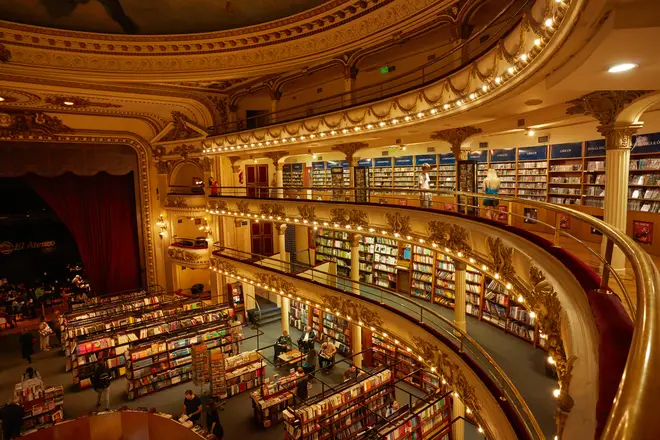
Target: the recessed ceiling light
(67, 103)
(623, 67)
(1, 99)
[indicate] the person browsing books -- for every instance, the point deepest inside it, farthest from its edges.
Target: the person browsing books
(213, 418)
(31, 373)
(327, 355)
(192, 406)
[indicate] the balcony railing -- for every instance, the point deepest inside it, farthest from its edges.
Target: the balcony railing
(190, 243)
(632, 415)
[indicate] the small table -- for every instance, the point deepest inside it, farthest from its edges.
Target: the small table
(291, 357)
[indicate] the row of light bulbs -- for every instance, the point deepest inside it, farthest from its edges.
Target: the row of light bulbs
(338, 314)
(522, 60)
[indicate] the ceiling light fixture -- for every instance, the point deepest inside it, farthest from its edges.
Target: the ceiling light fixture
(67, 103)
(2, 98)
(623, 67)
(530, 132)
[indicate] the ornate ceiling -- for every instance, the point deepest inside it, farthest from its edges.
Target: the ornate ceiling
(152, 17)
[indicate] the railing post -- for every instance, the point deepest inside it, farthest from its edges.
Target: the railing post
(605, 278)
(557, 229)
(509, 217)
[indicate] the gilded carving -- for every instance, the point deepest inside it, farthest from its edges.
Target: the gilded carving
(502, 257)
(427, 349)
(224, 266)
(5, 55)
(163, 166)
(272, 210)
(604, 105)
(307, 212)
(206, 164)
(76, 102)
(218, 205)
(181, 129)
(30, 124)
(176, 202)
(183, 255)
(185, 150)
(353, 217)
(349, 150)
(278, 283)
(618, 137)
(243, 207)
(449, 235)
(353, 309)
(275, 156)
(398, 223)
(455, 137)
(456, 379)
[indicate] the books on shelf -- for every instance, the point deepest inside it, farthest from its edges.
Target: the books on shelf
(273, 397)
(299, 314)
(235, 374)
(336, 331)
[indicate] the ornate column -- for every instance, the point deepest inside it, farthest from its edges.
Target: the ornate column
(349, 151)
(356, 330)
(459, 299)
(286, 302)
(276, 156)
(275, 96)
(458, 414)
(234, 178)
(455, 137)
(233, 110)
(350, 74)
(606, 107)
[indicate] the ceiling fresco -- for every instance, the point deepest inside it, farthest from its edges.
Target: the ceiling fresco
(150, 17)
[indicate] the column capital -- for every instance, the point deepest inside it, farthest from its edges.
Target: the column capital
(604, 105)
(455, 137)
(349, 150)
(233, 160)
(275, 156)
(618, 137)
(460, 265)
(281, 227)
(355, 239)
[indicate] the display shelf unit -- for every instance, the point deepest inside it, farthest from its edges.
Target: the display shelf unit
(293, 175)
(565, 174)
(272, 399)
(338, 331)
(160, 362)
(299, 314)
(644, 180)
(404, 173)
(431, 160)
(506, 171)
(42, 406)
(317, 326)
(367, 251)
(430, 420)
(532, 174)
(344, 414)
(236, 374)
(505, 311)
(320, 175)
(447, 177)
(112, 347)
(382, 174)
(383, 352)
(445, 286)
(482, 172)
(421, 281)
(386, 252)
(334, 246)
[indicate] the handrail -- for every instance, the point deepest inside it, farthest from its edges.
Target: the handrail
(631, 415)
(464, 342)
(350, 98)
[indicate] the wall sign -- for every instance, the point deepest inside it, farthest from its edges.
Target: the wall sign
(332, 164)
(286, 168)
(430, 159)
(447, 159)
(318, 165)
(479, 156)
(539, 152)
(383, 162)
(297, 167)
(503, 155)
(646, 143)
(594, 148)
(7, 247)
(344, 164)
(364, 163)
(566, 151)
(403, 161)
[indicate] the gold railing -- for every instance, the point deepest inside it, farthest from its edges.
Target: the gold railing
(632, 415)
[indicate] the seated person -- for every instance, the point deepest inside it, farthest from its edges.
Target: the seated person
(327, 355)
(283, 344)
(306, 341)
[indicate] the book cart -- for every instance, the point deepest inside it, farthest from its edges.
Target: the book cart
(43, 406)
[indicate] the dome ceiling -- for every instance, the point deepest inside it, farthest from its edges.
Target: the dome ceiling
(151, 17)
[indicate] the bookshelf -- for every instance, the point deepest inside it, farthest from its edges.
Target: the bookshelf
(273, 397)
(338, 331)
(316, 323)
(386, 252)
(404, 173)
(164, 361)
(447, 172)
(343, 414)
(334, 246)
(382, 173)
(236, 374)
(644, 183)
(293, 175)
(367, 248)
(421, 282)
(430, 160)
(320, 175)
(43, 406)
(299, 314)
(566, 168)
(424, 421)
(384, 353)
(346, 173)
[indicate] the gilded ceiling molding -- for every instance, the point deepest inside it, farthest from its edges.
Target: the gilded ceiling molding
(181, 128)
(184, 151)
(184, 256)
(502, 257)
(353, 309)
(276, 156)
(605, 106)
(449, 235)
(455, 137)
(276, 283)
(349, 149)
(5, 54)
(76, 102)
(243, 207)
(353, 217)
(307, 212)
(272, 210)
(398, 223)
(218, 205)
(30, 125)
(224, 266)
(176, 202)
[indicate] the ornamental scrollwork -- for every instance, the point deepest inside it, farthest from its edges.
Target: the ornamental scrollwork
(225, 267)
(279, 284)
(76, 102)
(427, 349)
(176, 202)
(185, 150)
(30, 124)
(243, 207)
(457, 380)
(181, 129)
(349, 150)
(449, 235)
(502, 257)
(272, 210)
(218, 205)
(184, 255)
(353, 309)
(163, 166)
(398, 223)
(604, 105)
(353, 217)
(307, 212)
(5, 55)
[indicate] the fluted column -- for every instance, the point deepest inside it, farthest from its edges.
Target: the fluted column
(459, 300)
(286, 302)
(458, 413)
(350, 74)
(356, 330)
(274, 102)
(276, 156)
(618, 142)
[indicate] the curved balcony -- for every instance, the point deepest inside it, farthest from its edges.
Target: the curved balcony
(186, 201)
(592, 317)
(426, 93)
(189, 252)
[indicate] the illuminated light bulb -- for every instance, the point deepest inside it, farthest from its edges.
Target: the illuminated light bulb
(327, 309)
(472, 96)
(371, 229)
(296, 220)
(446, 249)
(382, 124)
(508, 285)
(344, 131)
(276, 142)
(306, 301)
(459, 102)
(523, 57)
(316, 228)
(556, 392)
(359, 228)
(395, 121)
(268, 143)
(434, 244)
(396, 234)
(419, 358)
(231, 148)
(468, 410)
(356, 129)
(484, 88)
(498, 80)
(408, 237)
(460, 254)
(455, 394)
(305, 221)
(333, 132)
(214, 150)
(537, 42)
(551, 360)
(433, 111)
(359, 322)
(408, 349)
(384, 335)
(252, 145)
(497, 276)
(369, 126)
(384, 232)
(483, 267)
(511, 70)
(532, 315)
(302, 138)
(347, 227)
(548, 22)
(446, 106)
(407, 118)
(531, 132)
(481, 430)
(312, 136)
(322, 135)
(444, 382)
(432, 369)
(286, 219)
(260, 144)
(521, 299)
(284, 140)
(420, 115)
(421, 240)
(373, 329)
(348, 317)
(336, 225)
(325, 223)
(396, 341)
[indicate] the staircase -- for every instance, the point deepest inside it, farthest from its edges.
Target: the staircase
(268, 311)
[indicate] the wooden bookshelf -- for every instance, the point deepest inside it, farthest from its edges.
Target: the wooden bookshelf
(386, 252)
(421, 281)
(337, 331)
(272, 399)
(334, 246)
(299, 315)
(235, 374)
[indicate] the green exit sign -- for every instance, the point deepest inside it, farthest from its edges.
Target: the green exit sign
(385, 69)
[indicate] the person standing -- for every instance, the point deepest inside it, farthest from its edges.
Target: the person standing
(213, 419)
(26, 341)
(12, 420)
(425, 186)
(302, 389)
(192, 406)
(30, 373)
(101, 384)
(44, 335)
(491, 187)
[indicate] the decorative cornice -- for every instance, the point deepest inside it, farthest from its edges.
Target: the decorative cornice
(307, 212)
(272, 210)
(398, 223)
(5, 54)
(353, 217)
(502, 257)
(457, 380)
(243, 207)
(76, 102)
(176, 202)
(276, 283)
(163, 166)
(186, 256)
(185, 150)
(455, 137)
(181, 129)
(449, 235)
(275, 156)
(349, 149)
(352, 309)
(605, 106)
(224, 266)
(28, 125)
(218, 205)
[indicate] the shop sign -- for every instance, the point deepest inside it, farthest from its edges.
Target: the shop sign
(646, 143)
(539, 152)
(318, 165)
(447, 159)
(479, 156)
(364, 163)
(425, 158)
(503, 155)
(403, 161)
(8, 247)
(566, 151)
(594, 148)
(383, 162)
(344, 164)
(297, 166)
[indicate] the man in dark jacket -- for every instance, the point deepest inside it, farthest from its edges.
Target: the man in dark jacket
(26, 340)
(101, 384)
(12, 420)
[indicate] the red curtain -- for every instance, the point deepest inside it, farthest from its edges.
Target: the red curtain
(100, 212)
